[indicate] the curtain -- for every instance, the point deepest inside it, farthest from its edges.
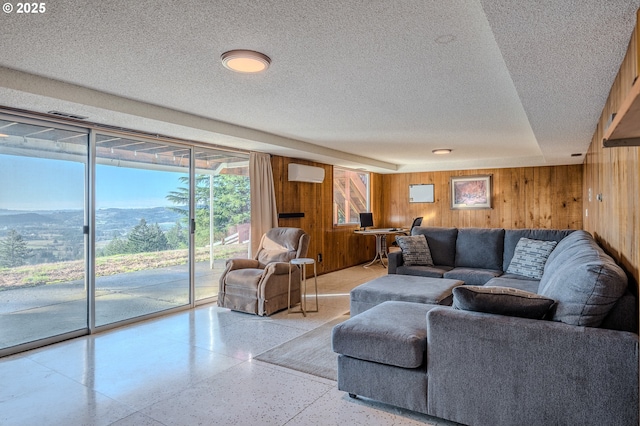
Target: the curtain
(264, 214)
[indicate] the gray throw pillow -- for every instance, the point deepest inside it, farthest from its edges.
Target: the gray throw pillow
(415, 250)
(501, 300)
(530, 257)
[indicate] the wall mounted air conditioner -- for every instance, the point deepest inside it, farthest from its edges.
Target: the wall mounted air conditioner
(302, 173)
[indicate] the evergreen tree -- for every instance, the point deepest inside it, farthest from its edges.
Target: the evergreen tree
(231, 194)
(177, 237)
(13, 250)
(144, 238)
(116, 246)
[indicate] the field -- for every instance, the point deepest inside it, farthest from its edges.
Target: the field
(62, 272)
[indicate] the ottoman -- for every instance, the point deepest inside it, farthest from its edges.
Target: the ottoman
(405, 288)
(383, 350)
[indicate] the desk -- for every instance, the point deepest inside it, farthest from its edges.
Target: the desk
(381, 242)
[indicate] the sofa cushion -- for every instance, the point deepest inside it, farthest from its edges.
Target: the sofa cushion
(530, 257)
(442, 243)
(512, 236)
(515, 281)
(393, 333)
(415, 250)
(502, 301)
(423, 271)
(472, 276)
(480, 248)
(585, 282)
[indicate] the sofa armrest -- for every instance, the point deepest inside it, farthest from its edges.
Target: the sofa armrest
(394, 259)
(486, 369)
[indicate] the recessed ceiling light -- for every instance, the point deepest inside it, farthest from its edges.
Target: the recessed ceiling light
(441, 151)
(245, 61)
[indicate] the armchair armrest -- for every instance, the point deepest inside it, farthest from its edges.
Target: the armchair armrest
(277, 268)
(492, 369)
(240, 263)
(394, 259)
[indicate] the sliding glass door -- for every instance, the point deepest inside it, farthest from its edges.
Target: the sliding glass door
(222, 217)
(100, 228)
(42, 240)
(142, 228)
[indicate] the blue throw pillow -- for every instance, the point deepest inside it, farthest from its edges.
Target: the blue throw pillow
(530, 257)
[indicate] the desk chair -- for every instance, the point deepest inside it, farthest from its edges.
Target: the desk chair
(416, 222)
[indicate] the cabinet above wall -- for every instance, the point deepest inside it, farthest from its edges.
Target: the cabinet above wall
(624, 129)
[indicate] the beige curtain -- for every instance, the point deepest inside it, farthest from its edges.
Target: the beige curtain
(264, 214)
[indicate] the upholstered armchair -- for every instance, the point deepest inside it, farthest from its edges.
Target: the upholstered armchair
(260, 285)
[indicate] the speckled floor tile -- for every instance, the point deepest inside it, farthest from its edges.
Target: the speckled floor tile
(32, 394)
(191, 367)
(243, 395)
(337, 408)
(135, 369)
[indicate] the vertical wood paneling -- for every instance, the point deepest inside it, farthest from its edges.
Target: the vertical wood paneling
(615, 173)
(339, 246)
(531, 197)
(518, 199)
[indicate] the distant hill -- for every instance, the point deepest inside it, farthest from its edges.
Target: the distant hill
(10, 220)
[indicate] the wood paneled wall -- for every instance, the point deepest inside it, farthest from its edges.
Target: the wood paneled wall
(615, 173)
(339, 246)
(532, 197)
(529, 197)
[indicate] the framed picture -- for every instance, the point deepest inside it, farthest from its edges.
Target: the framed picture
(471, 192)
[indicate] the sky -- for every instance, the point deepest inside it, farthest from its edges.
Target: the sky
(28, 183)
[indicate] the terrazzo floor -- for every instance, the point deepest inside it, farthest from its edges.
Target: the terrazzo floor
(191, 368)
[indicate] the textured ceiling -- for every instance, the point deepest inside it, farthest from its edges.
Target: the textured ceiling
(368, 84)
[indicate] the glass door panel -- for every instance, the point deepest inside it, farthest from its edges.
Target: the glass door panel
(42, 243)
(222, 215)
(142, 256)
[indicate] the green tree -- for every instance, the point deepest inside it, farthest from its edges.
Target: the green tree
(13, 250)
(232, 202)
(116, 246)
(231, 195)
(177, 236)
(144, 238)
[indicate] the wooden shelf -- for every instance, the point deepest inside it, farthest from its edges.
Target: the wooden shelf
(624, 130)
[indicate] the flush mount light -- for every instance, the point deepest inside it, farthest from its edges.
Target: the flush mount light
(245, 61)
(441, 151)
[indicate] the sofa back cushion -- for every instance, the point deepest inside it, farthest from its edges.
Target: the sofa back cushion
(512, 236)
(480, 248)
(583, 280)
(442, 243)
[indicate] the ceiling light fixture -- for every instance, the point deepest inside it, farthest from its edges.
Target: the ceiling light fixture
(245, 61)
(441, 151)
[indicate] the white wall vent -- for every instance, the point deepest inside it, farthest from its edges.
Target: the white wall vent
(302, 173)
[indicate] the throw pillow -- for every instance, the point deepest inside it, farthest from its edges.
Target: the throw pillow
(501, 300)
(530, 257)
(415, 250)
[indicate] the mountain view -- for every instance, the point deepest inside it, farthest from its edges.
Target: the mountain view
(57, 235)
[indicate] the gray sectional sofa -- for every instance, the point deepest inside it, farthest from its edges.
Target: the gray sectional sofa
(576, 364)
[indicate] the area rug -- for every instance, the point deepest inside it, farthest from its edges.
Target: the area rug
(310, 353)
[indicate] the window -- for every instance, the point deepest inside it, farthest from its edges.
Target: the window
(350, 195)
